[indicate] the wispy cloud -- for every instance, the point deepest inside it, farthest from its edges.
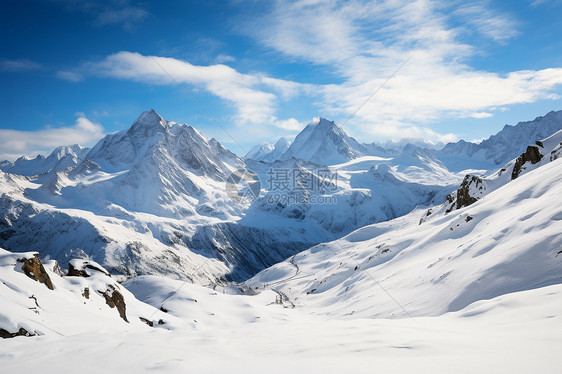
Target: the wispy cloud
(364, 41)
(537, 3)
(222, 58)
(69, 76)
(16, 143)
(489, 22)
(126, 13)
(128, 16)
(254, 96)
(19, 65)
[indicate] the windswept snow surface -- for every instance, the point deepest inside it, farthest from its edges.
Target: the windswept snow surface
(215, 332)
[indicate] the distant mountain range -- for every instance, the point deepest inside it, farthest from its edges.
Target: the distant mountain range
(153, 198)
(504, 146)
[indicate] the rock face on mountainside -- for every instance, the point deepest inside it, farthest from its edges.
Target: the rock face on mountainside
(84, 268)
(532, 155)
(468, 192)
(115, 299)
(21, 332)
(34, 269)
(475, 187)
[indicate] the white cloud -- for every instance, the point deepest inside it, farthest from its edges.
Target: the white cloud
(69, 76)
(253, 96)
(290, 124)
(16, 143)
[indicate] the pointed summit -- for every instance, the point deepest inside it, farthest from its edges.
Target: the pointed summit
(324, 142)
(148, 124)
(282, 143)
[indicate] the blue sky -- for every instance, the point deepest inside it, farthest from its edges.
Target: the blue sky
(73, 71)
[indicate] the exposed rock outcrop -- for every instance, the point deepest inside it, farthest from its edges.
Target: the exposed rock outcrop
(21, 332)
(115, 299)
(56, 269)
(532, 155)
(34, 269)
(80, 268)
(465, 195)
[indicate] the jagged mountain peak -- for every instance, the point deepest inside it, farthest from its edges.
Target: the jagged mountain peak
(324, 142)
(282, 142)
(325, 126)
(148, 124)
(60, 158)
(150, 134)
(267, 151)
(260, 151)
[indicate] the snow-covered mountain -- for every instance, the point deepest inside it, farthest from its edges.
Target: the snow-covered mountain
(268, 152)
(325, 143)
(153, 199)
(164, 168)
(60, 159)
(501, 147)
(260, 151)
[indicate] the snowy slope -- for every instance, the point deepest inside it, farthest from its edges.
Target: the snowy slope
(475, 187)
(508, 241)
(65, 305)
(206, 331)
